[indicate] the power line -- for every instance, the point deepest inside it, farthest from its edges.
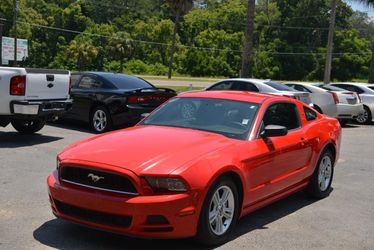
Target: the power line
(188, 46)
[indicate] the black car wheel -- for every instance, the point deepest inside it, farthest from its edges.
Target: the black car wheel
(28, 126)
(320, 184)
(219, 213)
(100, 120)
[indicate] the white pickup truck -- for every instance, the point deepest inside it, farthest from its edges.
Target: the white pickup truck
(30, 97)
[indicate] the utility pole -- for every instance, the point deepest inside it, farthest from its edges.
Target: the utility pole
(15, 9)
(330, 44)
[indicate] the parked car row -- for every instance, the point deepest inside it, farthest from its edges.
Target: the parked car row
(30, 97)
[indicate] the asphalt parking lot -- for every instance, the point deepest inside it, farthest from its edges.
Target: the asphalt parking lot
(345, 220)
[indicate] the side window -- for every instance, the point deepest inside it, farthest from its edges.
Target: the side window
(350, 88)
(89, 82)
(222, 86)
(310, 115)
(75, 80)
(283, 114)
(301, 88)
(244, 86)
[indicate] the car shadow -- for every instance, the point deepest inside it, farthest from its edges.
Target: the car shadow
(71, 125)
(62, 234)
(17, 140)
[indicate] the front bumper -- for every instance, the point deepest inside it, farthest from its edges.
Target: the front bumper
(40, 108)
(349, 111)
(177, 209)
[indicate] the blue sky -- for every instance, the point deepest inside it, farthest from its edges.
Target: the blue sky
(360, 7)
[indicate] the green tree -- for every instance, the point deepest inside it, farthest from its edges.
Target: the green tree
(83, 51)
(120, 47)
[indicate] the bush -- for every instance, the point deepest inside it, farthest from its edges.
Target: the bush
(136, 67)
(157, 69)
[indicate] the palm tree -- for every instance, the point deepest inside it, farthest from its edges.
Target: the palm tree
(180, 7)
(83, 51)
(248, 42)
(120, 47)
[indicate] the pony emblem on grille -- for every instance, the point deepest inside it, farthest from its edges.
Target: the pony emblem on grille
(94, 178)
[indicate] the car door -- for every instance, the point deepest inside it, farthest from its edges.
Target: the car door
(279, 161)
(84, 94)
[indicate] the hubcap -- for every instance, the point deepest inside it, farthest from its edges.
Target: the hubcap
(324, 174)
(99, 120)
(221, 210)
(362, 118)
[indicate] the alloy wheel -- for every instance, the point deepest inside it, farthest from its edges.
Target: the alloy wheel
(100, 120)
(221, 210)
(362, 118)
(324, 174)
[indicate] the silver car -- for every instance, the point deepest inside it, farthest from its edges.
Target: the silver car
(366, 93)
(323, 101)
(263, 86)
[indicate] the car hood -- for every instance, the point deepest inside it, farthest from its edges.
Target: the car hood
(146, 149)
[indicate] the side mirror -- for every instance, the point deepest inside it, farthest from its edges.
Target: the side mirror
(273, 131)
(144, 115)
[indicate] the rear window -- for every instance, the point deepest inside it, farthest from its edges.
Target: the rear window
(331, 88)
(310, 115)
(372, 87)
(127, 82)
(279, 86)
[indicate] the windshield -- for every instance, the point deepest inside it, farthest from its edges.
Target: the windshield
(279, 86)
(232, 119)
(371, 87)
(122, 81)
(331, 88)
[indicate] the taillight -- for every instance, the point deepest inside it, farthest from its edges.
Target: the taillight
(18, 85)
(146, 99)
(335, 96)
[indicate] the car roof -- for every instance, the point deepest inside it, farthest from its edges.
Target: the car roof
(245, 96)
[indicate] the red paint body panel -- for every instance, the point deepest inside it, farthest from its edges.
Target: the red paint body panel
(268, 169)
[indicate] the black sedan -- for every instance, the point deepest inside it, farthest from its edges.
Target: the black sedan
(107, 100)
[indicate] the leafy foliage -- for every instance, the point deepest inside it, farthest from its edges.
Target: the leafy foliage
(134, 36)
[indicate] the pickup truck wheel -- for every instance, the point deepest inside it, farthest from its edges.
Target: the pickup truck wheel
(28, 126)
(100, 120)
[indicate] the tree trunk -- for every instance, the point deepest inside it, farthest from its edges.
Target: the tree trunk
(248, 42)
(330, 44)
(121, 65)
(172, 49)
(371, 73)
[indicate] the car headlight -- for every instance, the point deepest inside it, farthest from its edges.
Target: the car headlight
(162, 184)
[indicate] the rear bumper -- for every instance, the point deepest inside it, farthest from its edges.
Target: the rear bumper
(30, 109)
(349, 111)
(131, 116)
(100, 209)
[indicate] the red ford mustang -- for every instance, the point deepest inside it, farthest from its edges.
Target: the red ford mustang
(196, 165)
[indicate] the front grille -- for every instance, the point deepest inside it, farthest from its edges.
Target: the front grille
(97, 179)
(93, 216)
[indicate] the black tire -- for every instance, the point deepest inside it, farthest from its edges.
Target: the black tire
(314, 189)
(205, 234)
(28, 126)
(105, 123)
(343, 122)
(365, 118)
